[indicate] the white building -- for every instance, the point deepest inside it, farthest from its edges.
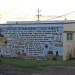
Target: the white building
(69, 39)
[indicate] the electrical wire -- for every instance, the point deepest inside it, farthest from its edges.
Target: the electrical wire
(62, 15)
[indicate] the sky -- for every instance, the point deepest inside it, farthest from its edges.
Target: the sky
(27, 9)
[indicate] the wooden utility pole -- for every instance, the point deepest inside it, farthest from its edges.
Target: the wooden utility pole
(38, 15)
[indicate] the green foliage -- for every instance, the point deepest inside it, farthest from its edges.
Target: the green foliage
(70, 56)
(54, 58)
(0, 60)
(25, 63)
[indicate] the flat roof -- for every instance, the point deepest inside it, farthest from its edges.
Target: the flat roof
(40, 22)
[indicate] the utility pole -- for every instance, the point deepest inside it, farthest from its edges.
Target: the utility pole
(38, 15)
(65, 18)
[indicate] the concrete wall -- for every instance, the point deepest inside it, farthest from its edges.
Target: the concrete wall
(69, 27)
(69, 45)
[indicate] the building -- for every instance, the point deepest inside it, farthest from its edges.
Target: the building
(31, 38)
(69, 39)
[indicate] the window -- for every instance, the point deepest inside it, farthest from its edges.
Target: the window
(69, 36)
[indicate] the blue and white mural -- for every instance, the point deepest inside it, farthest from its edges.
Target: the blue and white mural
(32, 40)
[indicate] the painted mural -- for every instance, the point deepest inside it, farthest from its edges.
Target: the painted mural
(31, 40)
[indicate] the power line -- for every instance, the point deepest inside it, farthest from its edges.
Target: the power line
(63, 15)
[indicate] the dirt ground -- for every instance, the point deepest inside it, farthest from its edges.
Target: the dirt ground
(11, 70)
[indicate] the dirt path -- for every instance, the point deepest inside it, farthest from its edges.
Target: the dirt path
(10, 70)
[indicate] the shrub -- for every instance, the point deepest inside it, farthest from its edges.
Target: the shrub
(0, 60)
(54, 58)
(70, 56)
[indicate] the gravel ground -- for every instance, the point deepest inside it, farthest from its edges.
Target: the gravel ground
(11, 70)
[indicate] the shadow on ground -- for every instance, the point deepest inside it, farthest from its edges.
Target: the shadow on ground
(12, 70)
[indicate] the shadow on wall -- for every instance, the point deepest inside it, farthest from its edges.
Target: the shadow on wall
(71, 52)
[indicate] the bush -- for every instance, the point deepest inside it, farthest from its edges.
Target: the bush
(0, 60)
(50, 52)
(1, 56)
(70, 56)
(54, 58)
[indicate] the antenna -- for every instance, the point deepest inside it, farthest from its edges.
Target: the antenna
(38, 15)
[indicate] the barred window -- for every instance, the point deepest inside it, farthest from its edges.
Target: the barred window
(69, 36)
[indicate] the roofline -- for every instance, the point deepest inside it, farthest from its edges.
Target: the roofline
(40, 22)
(69, 31)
